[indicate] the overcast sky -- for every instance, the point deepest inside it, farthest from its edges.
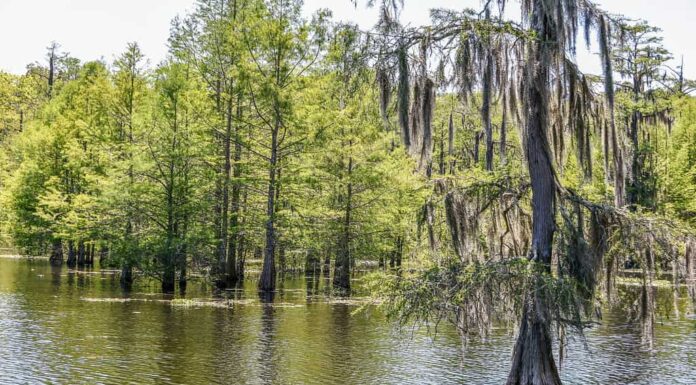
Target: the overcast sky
(94, 29)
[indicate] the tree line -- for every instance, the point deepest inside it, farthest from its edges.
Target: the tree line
(257, 137)
(515, 186)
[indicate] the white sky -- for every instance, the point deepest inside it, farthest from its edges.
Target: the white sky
(94, 29)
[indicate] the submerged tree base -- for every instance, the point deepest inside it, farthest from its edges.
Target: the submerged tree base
(532, 359)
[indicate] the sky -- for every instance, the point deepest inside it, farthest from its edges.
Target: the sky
(100, 29)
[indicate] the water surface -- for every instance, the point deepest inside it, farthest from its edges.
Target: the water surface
(62, 326)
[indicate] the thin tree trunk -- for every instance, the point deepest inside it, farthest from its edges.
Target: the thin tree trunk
(690, 253)
(327, 264)
(399, 251)
(477, 143)
(450, 142)
(503, 131)
(342, 268)
(486, 109)
(183, 279)
(647, 303)
(92, 248)
(268, 272)
(223, 279)
(635, 183)
(232, 274)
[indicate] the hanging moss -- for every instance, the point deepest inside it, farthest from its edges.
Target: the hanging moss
(404, 94)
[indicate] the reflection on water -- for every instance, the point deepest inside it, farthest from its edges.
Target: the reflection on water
(49, 333)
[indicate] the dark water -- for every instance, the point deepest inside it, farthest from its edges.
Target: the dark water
(64, 327)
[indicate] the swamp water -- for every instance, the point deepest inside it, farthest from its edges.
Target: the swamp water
(63, 326)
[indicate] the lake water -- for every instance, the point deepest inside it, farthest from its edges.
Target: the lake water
(62, 326)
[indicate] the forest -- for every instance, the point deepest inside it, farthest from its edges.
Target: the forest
(465, 172)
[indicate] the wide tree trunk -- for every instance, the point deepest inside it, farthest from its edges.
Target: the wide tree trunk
(168, 277)
(126, 276)
(532, 360)
(81, 251)
(72, 258)
(57, 253)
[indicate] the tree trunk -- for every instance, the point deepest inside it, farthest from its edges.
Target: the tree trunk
(647, 300)
(223, 278)
(450, 142)
(232, 255)
(430, 221)
(51, 68)
(267, 279)
(81, 253)
(486, 108)
(634, 177)
(442, 155)
(532, 360)
(168, 276)
(503, 131)
(690, 269)
(72, 260)
(477, 143)
(399, 251)
(619, 175)
(342, 268)
(312, 266)
(327, 264)
(92, 250)
(57, 253)
(103, 256)
(126, 275)
(181, 261)
(241, 257)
